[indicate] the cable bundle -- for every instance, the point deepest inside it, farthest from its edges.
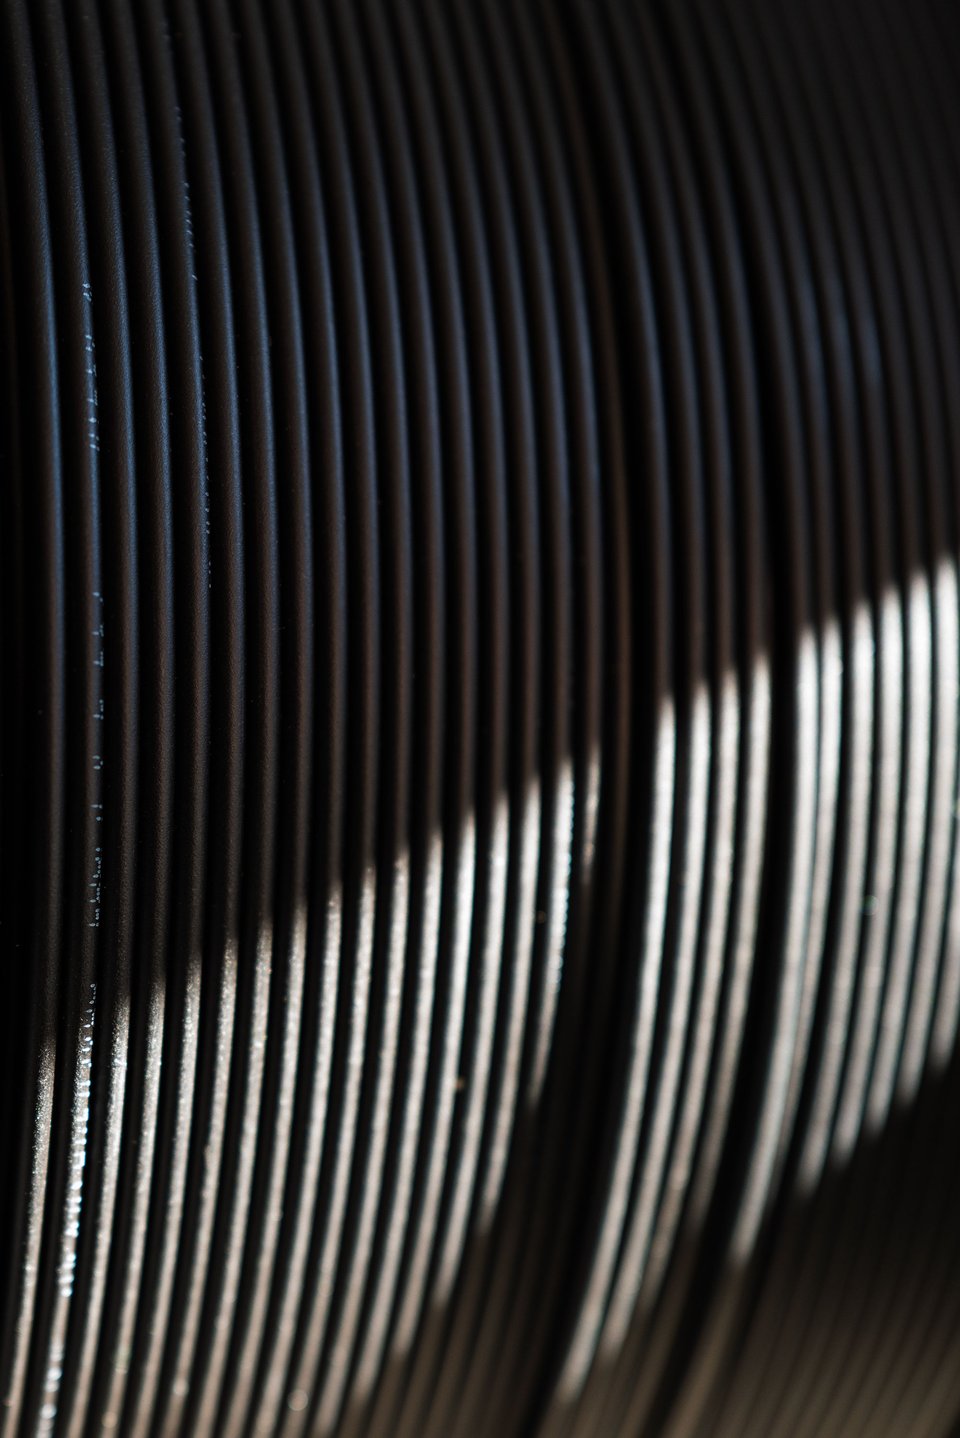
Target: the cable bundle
(481, 683)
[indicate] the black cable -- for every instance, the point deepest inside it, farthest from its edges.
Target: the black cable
(479, 720)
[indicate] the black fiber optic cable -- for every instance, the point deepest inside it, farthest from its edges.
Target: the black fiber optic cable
(479, 718)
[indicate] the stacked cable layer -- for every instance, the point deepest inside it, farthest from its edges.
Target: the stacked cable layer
(479, 894)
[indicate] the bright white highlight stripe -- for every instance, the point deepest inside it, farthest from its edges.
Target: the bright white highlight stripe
(519, 1006)
(142, 1187)
(381, 1306)
(322, 1292)
(886, 772)
(691, 879)
(715, 923)
(412, 1300)
(280, 1341)
(355, 1282)
(860, 762)
(794, 954)
(580, 1351)
(169, 1240)
(266, 1247)
(905, 918)
(943, 785)
(558, 899)
(751, 824)
(828, 783)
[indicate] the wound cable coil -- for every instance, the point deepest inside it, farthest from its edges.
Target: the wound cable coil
(481, 685)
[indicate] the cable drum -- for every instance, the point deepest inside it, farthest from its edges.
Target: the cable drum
(480, 748)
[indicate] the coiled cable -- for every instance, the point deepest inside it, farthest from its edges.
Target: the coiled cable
(480, 748)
